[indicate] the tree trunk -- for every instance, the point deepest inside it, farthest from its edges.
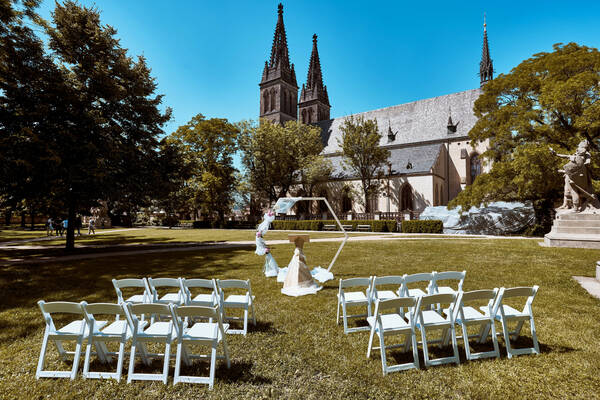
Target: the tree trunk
(70, 245)
(7, 217)
(367, 203)
(22, 219)
(32, 219)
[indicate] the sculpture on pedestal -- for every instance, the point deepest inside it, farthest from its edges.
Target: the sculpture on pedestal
(578, 194)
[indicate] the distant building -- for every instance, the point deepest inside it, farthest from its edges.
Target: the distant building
(431, 157)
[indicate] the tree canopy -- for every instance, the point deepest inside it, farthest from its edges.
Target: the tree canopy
(274, 155)
(362, 154)
(208, 146)
(549, 100)
(81, 119)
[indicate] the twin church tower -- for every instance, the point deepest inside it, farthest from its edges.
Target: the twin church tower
(279, 89)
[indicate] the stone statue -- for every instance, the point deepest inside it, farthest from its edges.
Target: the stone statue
(579, 194)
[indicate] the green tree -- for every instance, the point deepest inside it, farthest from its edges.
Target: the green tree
(208, 146)
(362, 154)
(274, 155)
(551, 99)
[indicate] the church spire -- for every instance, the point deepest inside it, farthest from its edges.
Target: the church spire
(279, 50)
(486, 68)
(278, 87)
(314, 100)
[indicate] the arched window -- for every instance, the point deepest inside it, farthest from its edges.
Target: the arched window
(406, 198)
(266, 102)
(475, 164)
(346, 200)
(273, 92)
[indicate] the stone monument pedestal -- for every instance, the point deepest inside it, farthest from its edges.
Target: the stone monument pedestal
(571, 229)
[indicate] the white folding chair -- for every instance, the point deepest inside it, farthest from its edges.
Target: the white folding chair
(355, 299)
(199, 333)
(200, 299)
(76, 330)
(144, 297)
(172, 297)
(157, 332)
(376, 292)
(505, 314)
(406, 291)
(448, 276)
(385, 325)
(118, 331)
(429, 319)
(244, 301)
(466, 315)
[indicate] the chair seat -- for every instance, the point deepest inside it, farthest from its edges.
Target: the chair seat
(137, 298)
(470, 313)
(386, 294)
(390, 322)
(431, 317)
(509, 313)
(170, 298)
(445, 290)
(159, 329)
(204, 298)
(355, 297)
(236, 299)
(204, 330)
(116, 328)
(74, 327)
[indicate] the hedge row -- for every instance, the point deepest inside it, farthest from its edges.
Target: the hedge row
(317, 225)
(422, 226)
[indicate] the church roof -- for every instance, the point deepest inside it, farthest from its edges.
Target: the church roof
(418, 122)
(405, 160)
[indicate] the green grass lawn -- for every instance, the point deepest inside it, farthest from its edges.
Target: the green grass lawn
(297, 350)
(18, 233)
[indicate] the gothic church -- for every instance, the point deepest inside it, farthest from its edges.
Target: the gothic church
(431, 157)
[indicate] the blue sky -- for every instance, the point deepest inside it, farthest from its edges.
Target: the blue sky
(207, 56)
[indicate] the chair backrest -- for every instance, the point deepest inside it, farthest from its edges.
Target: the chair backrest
(431, 299)
(465, 298)
(234, 284)
(412, 303)
(120, 284)
(353, 282)
(58, 307)
(181, 315)
(525, 291)
(450, 275)
(94, 309)
(164, 282)
(187, 284)
(387, 280)
(414, 278)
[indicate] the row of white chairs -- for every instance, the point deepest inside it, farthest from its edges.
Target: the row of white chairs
(192, 292)
(443, 311)
(179, 327)
(403, 286)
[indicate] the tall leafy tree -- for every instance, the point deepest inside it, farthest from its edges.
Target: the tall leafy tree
(208, 146)
(274, 155)
(362, 154)
(551, 99)
(109, 139)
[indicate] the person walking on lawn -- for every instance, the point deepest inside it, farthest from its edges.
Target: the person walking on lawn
(65, 225)
(78, 224)
(49, 227)
(91, 226)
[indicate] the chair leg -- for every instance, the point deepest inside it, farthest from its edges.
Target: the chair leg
(455, 344)
(166, 362)
(253, 314)
(506, 338)
(415, 349)
(120, 360)
(517, 331)
(337, 318)
(536, 345)
(131, 362)
(226, 351)
(345, 319)
(40, 366)
(495, 339)
(213, 362)
(370, 342)
(245, 321)
(76, 356)
(466, 340)
(382, 350)
(86, 361)
(177, 363)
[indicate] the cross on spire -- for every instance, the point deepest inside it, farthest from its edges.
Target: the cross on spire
(486, 68)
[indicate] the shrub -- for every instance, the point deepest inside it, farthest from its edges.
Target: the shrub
(424, 226)
(317, 225)
(201, 224)
(170, 221)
